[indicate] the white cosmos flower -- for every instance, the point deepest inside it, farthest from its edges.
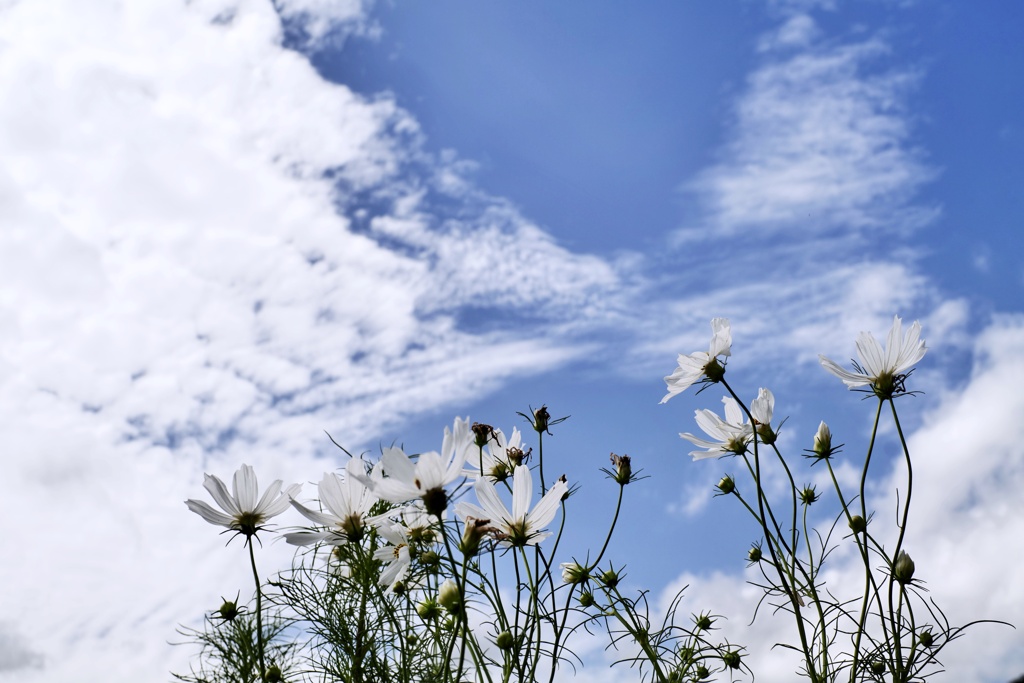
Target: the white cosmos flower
(498, 458)
(730, 435)
(882, 369)
(244, 513)
(348, 503)
(521, 526)
(400, 480)
(696, 366)
(396, 556)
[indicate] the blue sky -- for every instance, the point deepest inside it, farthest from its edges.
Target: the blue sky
(227, 227)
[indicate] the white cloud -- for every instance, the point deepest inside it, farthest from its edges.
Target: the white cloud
(966, 515)
(179, 293)
(820, 142)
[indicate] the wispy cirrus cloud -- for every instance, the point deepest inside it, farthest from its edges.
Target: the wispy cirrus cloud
(821, 142)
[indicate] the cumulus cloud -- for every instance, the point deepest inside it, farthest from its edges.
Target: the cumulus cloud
(210, 254)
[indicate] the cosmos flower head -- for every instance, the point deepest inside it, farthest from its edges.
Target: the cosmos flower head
(242, 512)
(348, 503)
(702, 366)
(400, 479)
(729, 436)
(498, 458)
(521, 526)
(882, 370)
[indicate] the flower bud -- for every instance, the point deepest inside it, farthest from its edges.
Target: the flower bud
(473, 534)
(429, 558)
(809, 495)
(878, 667)
(731, 658)
(273, 674)
(727, 484)
(903, 568)
(574, 572)
(704, 622)
(228, 611)
(823, 441)
(428, 609)
(702, 672)
(623, 473)
(857, 524)
(541, 419)
(448, 596)
(610, 578)
(926, 638)
(504, 641)
(754, 554)
(586, 599)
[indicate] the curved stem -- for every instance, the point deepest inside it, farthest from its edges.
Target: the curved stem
(261, 646)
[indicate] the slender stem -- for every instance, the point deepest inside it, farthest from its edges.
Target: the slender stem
(261, 646)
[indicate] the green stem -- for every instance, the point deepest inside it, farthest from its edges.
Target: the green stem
(261, 646)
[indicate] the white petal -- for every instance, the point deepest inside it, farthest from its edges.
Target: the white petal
(332, 495)
(491, 503)
(913, 348)
(893, 344)
(871, 355)
(205, 511)
(306, 537)
(522, 492)
(397, 465)
(721, 340)
(430, 471)
(547, 507)
(315, 516)
(220, 494)
(246, 487)
(268, 497)
(850, 379)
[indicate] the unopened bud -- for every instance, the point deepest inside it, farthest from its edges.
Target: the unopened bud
(473, 534)
(273, 674)
(754, 554)
(903, 568)
(586, 599)
(228, 611)
(823, 442)
(704, 622)
(574, 572)
(429, 558)
(926, 638)
(727, 484)
(857, 524)
(808, 495)
(448, 596)
(504, 641)
(610, 578)
(428, 609)
(731, 659)
(702, 672)
(878, 667)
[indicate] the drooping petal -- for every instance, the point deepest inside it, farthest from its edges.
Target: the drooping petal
(206, 511)
(850, 379)
(315, 516)
(763, 406)
(307, 537)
